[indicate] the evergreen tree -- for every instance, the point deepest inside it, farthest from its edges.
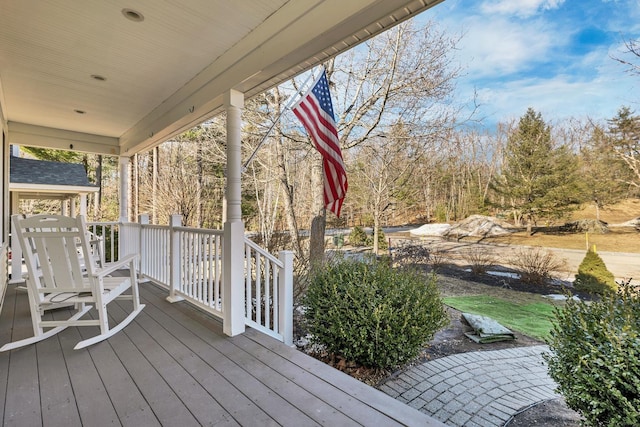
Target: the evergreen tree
(603, 174)
(624, 130)
(538, 179)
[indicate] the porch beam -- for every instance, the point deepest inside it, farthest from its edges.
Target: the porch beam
(233, 295)
(45, 137)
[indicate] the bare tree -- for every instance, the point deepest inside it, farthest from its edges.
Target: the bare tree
(383, 168)
(633, 48)
(403, 76)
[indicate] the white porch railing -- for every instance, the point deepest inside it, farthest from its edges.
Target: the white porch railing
(269, 291)
(188, 262)
(108, 233)
(197, 274)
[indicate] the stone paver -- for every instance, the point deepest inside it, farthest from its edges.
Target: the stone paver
(481, 388)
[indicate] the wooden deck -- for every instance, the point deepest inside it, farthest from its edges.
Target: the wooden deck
(173, 366)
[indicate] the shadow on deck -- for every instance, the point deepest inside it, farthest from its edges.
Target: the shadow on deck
(173, 366)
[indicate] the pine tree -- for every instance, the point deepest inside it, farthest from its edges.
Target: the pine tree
(538, 179)
(624, 130)
(603, 174)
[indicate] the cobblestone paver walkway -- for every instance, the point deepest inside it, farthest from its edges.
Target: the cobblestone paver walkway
(481, 388)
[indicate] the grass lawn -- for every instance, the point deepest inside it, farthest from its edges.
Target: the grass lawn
(534, 319)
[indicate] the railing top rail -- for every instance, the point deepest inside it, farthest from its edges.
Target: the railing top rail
(187, 229)
(263, 252)
(153, 226)
(102, 223)
(200, 230)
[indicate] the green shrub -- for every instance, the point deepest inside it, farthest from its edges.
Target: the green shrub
(382, 240)
(358, 237)
(593, 275)
(371, 314)
(440, 214)
(595, 357)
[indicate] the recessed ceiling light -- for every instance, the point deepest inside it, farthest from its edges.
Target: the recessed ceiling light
(133, 15)
(98, 77)
(79, 111)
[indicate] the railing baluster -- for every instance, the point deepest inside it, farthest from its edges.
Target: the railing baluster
(267, 294)
(258, 289)
(183, 262)
(210, 254)
(276, 298)
(249, 269)
(218, 268)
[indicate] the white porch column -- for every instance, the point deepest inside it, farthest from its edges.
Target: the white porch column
(72, 203)
(234, 101)
(124, 189)
(83, 204)
(16, 248)
(63, 207)
(233, 301)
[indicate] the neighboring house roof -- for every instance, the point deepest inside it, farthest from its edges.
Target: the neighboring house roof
(40, 176)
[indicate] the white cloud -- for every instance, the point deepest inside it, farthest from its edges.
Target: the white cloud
(557, 98)
(521, 8)
(504, 48)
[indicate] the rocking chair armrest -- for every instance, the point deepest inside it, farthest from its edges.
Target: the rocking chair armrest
(113, 266)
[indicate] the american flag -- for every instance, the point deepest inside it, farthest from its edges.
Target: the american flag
(316, 114)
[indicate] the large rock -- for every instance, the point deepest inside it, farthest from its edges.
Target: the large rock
(430, 230)
(479, 226)
(586, 226)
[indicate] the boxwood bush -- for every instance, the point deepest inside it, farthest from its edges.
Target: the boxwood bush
(595, 357)
(359, 237)
(372, 314)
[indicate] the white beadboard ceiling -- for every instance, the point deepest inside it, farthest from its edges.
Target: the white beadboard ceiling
(167, 72)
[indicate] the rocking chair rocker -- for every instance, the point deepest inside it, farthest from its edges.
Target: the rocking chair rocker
(62, 271)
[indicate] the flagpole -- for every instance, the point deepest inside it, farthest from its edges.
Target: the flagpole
(286, 107)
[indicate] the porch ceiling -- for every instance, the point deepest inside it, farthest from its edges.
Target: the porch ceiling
(167, 72)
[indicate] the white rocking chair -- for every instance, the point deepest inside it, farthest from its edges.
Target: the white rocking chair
(62, 272)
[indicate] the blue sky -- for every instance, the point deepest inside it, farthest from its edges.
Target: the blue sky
(552, 55)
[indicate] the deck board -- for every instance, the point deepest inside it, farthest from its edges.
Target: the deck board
(6, 320)
(91, 397)
(282, 393)
(238, 383)
(173, 366)
(188, 398)
(57, 400)
(22, 401)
